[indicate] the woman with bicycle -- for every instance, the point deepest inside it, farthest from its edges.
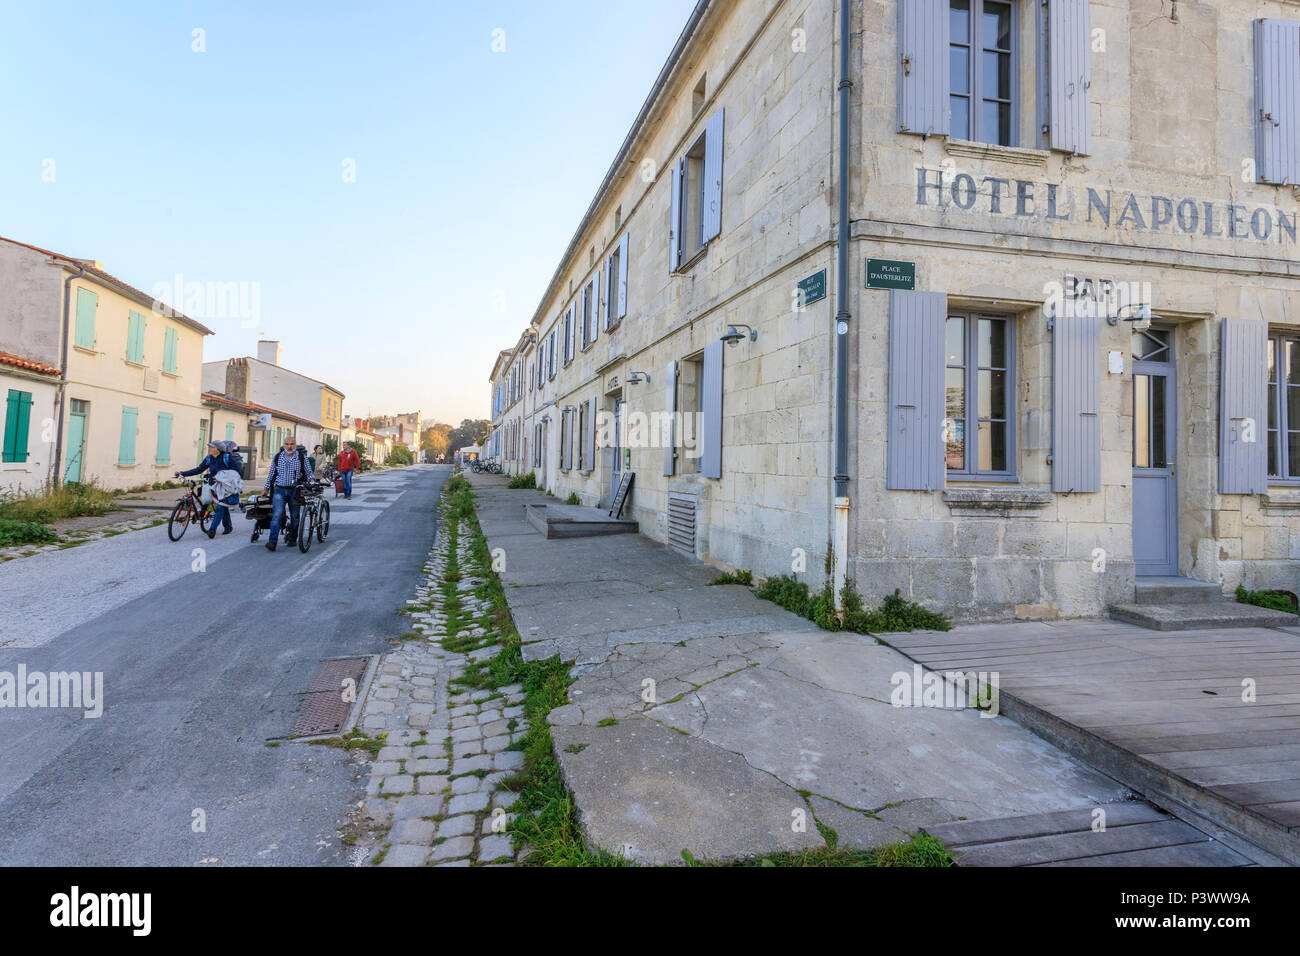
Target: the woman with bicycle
(217, 460)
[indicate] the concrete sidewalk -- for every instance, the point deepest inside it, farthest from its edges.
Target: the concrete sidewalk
(708, 720)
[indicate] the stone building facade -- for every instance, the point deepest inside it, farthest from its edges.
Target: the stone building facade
(1072, 355)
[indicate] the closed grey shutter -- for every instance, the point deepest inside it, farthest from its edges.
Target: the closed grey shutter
(916, 398)
(1277, 101)
(590, 437)
(711, 416)
(568, 438)
(568, 337)
(711, 214)
(594, 312)
(923, 70)
(1069, 76)
(669, 433)
(1243, 407)
(622, 278)
(1076, 380)
(675, 218)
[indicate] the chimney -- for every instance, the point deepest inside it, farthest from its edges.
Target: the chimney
(268, 350)
(237, 379)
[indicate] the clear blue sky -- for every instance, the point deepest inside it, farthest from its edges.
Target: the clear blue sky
(472, 168)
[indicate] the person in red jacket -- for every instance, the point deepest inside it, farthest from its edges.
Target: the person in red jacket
(348, 463)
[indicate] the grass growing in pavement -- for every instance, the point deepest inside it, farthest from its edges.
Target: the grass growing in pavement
(1273, 600)
(895, 613)
(25, 532)
(740, 577)
(546, 818)
(355, 740)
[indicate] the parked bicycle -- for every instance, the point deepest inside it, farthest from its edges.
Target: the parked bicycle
(190, 510)
(314, 516)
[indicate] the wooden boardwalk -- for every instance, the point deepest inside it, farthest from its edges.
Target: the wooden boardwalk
(1164, 712)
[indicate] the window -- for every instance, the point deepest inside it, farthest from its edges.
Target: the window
(616, 284)
(170, 344)
(87, 303)
(126, 443)
(689, 405)
(978, 429)
(18, 415)
(135, 337)
(568, 335)
(550, 354)
(230, 431)
(695, 216)
(982, 53)
(1284, 407)
(163, 456)
(588, 317)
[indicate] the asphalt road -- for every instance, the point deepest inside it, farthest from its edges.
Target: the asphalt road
(200, 670)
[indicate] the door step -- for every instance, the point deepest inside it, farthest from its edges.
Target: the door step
(1201, 616)
(1168, 589)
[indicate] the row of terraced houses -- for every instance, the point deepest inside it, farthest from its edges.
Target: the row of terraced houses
(1046, 356)
(102, 382)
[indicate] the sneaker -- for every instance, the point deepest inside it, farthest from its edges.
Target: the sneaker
(270, 546)
(227, 530)
(290, 542)
(212, 532)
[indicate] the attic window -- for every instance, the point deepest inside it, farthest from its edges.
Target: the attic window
(697, 98)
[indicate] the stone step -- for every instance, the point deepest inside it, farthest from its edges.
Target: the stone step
(576, 521)
(1188, 617)
(1174, 590)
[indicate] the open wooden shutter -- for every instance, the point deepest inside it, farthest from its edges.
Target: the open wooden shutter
(126, 443)
(1069, 69)
(622, 278)
(1076, 382)
(589, 439)
(1277, 101)
(594, 311)
(1243, 407)
(711, 214)
(711, 417)
(675, 217)
(916, 396)
(669, 432)
(923, 67)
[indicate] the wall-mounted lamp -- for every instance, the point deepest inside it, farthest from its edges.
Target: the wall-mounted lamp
(636, 378)
(1140, 316)
(734, 335)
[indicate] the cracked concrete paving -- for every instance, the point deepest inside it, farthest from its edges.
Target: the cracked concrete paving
(701, 716)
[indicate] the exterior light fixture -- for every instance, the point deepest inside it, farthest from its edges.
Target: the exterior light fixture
(734, 335)
(636, 378)
(1140, 316)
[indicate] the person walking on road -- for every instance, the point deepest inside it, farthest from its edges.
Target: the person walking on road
(348, 463)
(288, 470)
(217, 460)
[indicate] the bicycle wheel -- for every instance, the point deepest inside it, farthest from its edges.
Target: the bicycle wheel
(206, 517)
(179, 521)
(323, 522)
(305, 530)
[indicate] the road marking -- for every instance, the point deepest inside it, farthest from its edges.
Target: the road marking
(304, 572)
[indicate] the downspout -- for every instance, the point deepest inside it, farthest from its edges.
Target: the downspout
(842, 318)
(57, 478)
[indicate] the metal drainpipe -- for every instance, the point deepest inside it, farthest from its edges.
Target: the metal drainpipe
(842, 318)
(63, 377)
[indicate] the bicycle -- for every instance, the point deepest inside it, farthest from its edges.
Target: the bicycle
(314, 516)
(190, 509)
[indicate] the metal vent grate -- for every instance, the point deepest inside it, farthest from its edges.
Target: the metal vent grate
(681, 522)
(324, 707)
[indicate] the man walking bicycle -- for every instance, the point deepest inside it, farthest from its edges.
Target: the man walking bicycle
(289, 469)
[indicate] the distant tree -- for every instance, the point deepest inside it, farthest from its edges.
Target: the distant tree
(471, 431)
(434, 441)
(358, 447)
(401, 455)
(331, 445)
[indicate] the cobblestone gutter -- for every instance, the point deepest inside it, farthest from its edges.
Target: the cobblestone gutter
(433, 794)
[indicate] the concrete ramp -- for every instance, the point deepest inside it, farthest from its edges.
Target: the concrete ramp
(576, 521)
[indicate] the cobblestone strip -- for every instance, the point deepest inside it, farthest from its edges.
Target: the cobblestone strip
(433, 786)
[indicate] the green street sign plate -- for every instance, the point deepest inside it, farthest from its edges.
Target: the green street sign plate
(813, 288)
(891, 274)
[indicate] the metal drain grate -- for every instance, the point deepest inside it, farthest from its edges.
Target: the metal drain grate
(323, 709)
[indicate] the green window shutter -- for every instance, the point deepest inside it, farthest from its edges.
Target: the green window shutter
(135, 337)
(87, 303)
(126, 446)
(203, 438)
(18, 411)
(230, 431)
(169, 351)
(164, 454)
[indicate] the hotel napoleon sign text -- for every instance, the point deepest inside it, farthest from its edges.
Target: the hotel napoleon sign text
(1106, 208)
